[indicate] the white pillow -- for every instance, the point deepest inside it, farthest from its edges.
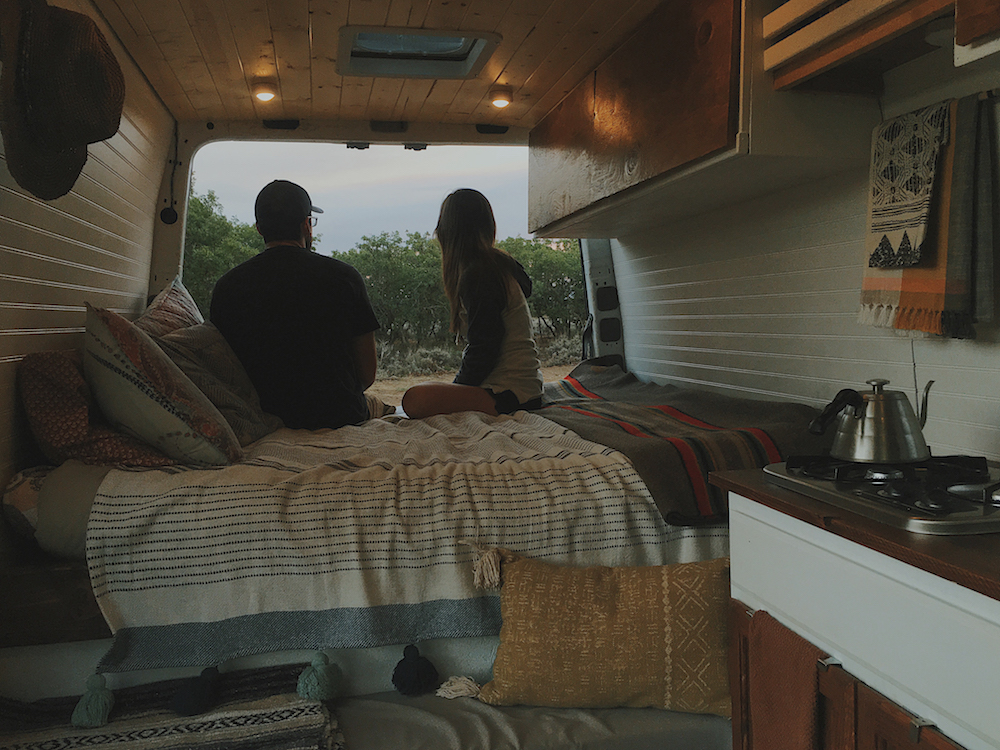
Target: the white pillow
(146, 395)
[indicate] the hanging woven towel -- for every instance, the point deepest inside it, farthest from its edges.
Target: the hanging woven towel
(904, 162)
(951, 289)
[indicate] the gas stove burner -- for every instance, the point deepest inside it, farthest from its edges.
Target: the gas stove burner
(943, 470)
(883, 474)
(982, 493)
(941, 495)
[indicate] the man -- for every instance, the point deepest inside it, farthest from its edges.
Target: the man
(300, 323)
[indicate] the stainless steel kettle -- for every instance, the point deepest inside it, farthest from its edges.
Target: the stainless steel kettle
(876, 427)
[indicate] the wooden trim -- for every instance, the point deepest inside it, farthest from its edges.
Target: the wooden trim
(837, 22)
(863, 39)
(975, 19)
(837, 708)
(790, 13)
(739, 672)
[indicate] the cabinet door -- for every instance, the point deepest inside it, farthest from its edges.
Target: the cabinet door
(832, 706)
(739, 671)
(883, 725)
(976, 19)
(836, 709)
(664, 99)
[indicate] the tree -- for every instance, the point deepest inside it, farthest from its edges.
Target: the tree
(557, 300)
(404, 284)
(212, 245)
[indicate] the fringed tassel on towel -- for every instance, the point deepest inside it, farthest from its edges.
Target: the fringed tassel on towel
(95, 704)
(881, 316)
(459, 687)
(321, 680)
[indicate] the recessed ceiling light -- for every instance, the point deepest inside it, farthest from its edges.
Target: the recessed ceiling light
(501, 96)
(397, 52)
(264, 91)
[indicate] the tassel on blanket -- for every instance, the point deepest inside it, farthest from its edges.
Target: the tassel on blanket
(415, 674)
(487, 571)
(321, 680)
(198, 694)
(95, 704)
(459, 687)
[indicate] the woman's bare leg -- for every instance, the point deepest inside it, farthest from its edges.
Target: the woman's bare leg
(427, 399)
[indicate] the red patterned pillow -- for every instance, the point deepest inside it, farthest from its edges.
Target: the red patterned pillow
(66, 421)
(172, 308)
(145, 394)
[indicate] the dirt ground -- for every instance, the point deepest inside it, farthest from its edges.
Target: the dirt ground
(391, 390)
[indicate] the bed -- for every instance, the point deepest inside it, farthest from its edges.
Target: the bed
(222, 536)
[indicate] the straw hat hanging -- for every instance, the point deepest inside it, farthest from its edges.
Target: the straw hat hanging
(61, 88)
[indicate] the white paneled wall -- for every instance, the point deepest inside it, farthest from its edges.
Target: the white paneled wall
(92, 245)
(761, 299)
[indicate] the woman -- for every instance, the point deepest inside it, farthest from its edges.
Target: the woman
(487, 291)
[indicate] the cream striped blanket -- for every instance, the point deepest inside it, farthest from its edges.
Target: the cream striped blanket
(356, 537)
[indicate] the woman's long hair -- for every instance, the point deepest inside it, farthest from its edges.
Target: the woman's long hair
(466, 231)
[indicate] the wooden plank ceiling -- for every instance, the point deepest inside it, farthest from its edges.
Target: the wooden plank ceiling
(202, 55)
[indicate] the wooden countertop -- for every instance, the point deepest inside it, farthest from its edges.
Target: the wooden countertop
(971, 560)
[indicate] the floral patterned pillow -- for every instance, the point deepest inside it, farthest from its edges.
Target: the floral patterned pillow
(143, 393)
(172, 308)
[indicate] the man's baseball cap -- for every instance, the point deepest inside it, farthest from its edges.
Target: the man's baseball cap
(282, 202)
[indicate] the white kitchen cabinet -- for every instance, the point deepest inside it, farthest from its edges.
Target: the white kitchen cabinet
(920, 646)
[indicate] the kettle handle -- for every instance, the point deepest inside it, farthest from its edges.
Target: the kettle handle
(846, 397)
(922, 416)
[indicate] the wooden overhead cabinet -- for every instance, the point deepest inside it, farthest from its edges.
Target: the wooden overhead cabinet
(643, 138)
(976, 20)
(663, 100)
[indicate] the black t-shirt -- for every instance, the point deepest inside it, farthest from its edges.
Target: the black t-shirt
(291, 316)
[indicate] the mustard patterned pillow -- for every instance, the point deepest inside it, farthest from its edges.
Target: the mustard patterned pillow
(603, 637)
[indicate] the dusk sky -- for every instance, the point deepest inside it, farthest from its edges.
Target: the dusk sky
(365, 192)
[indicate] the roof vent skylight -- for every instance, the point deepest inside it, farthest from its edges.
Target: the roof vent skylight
(413, 53)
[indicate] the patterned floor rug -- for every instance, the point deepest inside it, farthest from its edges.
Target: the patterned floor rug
(257, 709)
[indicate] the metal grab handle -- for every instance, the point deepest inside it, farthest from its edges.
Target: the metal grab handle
(824, 664)
(916, 724)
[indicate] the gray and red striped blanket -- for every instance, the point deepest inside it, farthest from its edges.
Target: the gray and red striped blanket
(675, 436)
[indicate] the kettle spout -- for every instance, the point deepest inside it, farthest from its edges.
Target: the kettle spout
(923, 403)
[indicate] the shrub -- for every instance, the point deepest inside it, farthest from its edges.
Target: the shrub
(562, 350)
(399, 362)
